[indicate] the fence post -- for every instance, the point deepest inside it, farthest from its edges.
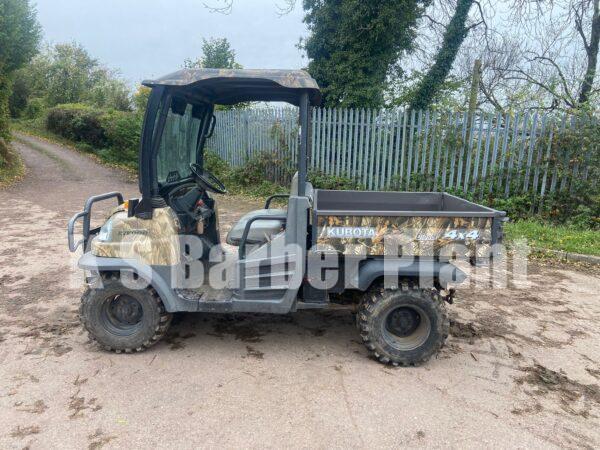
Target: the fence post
(247, 130)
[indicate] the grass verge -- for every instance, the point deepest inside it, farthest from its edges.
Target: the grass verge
(555, 237)
(11, 166)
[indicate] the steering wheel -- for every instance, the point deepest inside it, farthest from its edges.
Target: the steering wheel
(207, 180)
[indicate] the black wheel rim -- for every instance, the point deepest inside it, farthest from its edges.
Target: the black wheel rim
(406, 327)
(122, 315)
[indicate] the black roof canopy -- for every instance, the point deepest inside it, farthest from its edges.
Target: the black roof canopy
(230, 86)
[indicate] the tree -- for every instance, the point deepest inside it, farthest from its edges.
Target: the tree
(454, 35)
(590, 43)
(19, 39)
(540, 54)
(109, 91)
(216, 54)
(71, 74)
(557, 54)
(67, 73)
(20, 93)
(450, 94)
(140, 99)
(354, 45)
(33, 79)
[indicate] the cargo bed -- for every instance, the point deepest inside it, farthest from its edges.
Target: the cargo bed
(425, 224)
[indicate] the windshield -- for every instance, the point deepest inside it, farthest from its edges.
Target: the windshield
(178, 143)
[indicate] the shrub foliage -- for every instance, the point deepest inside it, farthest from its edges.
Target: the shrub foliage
(114, 135)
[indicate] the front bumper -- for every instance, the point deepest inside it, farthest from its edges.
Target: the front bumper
(85, 216)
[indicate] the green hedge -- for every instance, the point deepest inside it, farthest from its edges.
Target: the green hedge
(123, 131)
(113, 135)
(79, 123)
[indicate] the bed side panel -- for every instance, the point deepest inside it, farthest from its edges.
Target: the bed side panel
(404, 235)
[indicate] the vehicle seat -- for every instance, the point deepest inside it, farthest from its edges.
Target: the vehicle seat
(262, 230)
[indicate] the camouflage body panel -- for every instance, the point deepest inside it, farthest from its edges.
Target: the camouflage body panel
(295, 79)
(405, 235)
(230, 86)
(152, 242)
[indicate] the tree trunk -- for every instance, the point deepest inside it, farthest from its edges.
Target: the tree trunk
(475, 78)
(455, 34)
(592, 55)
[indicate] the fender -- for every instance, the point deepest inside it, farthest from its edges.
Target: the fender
(156, 276)
(423, 270)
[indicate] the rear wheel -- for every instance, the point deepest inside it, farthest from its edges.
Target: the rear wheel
(122, 319)
(404, 326)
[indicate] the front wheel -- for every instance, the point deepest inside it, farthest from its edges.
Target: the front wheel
(122, 319)
(403, 327)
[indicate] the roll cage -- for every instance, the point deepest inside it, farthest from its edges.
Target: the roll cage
(203, 89)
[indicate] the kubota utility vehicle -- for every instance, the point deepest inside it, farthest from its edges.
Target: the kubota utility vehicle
(385, 254)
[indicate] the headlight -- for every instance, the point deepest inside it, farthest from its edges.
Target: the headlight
(105, 233)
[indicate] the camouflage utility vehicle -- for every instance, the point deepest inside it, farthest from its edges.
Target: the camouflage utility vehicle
(386, 255)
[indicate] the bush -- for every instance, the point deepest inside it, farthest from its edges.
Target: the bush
(263, 166)
(253, 177)
(113, 135)
(11, 166)
(217, 166)
(587, 217)
(18, 99)
(5, 155)
(140, 99)
(321, 180)
(79, 123)
(578, 206)
(122, 131)
(35, 108)
(248, 179)
(517, 206)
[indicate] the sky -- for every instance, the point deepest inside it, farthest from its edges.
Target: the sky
(150, 38)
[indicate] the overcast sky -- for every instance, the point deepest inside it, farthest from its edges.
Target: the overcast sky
(150, 38)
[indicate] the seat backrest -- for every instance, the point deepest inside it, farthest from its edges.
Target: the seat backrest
(294, 187)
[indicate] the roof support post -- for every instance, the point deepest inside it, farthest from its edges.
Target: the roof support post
(145, 152)
(304, 142)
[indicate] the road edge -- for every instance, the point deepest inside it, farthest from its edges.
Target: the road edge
(56, 140)
(16, 170)
(568, 256)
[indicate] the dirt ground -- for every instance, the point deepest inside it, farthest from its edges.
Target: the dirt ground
(521, 368)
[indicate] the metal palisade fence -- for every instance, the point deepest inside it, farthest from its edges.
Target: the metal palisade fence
(523, 152)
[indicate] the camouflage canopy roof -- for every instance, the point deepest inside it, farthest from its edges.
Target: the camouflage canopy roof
(229, 86)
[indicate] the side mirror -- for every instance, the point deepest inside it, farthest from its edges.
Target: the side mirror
(211, 127)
